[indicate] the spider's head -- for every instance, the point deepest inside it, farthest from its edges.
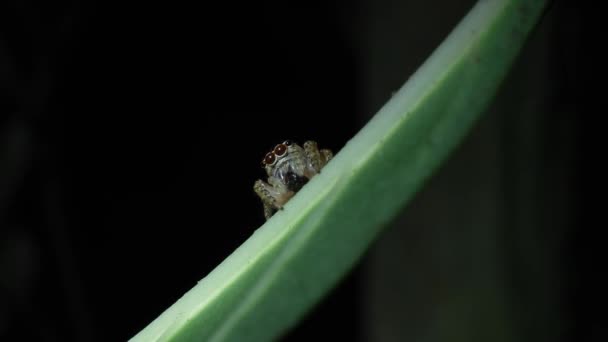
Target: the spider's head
(275, 159)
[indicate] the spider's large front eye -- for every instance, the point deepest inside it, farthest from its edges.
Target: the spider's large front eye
(269, 159)
(280, 150)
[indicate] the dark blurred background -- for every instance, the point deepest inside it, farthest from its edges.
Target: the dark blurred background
(131, 134)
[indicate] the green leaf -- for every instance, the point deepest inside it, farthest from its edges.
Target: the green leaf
(290, 262)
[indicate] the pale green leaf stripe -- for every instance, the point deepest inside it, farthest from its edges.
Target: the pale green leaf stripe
(284, 268)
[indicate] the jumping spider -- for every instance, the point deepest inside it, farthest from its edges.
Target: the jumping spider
(289, 166)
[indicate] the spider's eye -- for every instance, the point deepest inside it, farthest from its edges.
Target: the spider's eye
(287, 142)
(269, 159)
(280, 149)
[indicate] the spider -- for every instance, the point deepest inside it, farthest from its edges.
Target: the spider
(289, 167)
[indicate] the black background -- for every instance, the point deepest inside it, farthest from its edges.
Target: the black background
(132, 135)
(148, 122)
